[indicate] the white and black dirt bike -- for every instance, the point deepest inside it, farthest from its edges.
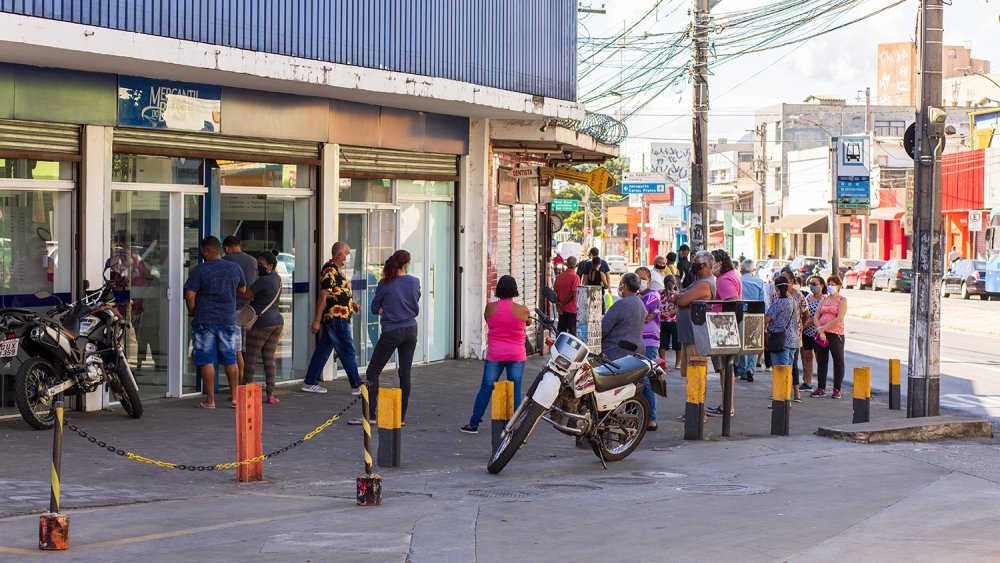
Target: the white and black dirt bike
(584, 394)
(69, 350)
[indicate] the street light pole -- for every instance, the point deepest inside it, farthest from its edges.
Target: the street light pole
(834, 211)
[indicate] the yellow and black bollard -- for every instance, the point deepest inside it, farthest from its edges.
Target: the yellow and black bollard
(53, 528)
(894, 398)
(694, 408)
(862, 394)
(369, 490)
(390, 423)
(502, 407)
(781, 400)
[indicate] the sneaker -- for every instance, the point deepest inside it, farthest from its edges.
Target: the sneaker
(805, 387)
(469, 430)
(717, 411)
(272, 400)
(313, 389)
(836, 394)
(355, 390)
(797, 400)
(818, 393)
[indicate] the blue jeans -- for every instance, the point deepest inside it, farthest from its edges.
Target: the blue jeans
(491, 374)
(213, 343)
(783, 358)
(652, 352)
(334, 335)
(746, 364)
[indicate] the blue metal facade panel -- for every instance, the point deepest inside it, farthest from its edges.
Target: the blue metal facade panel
(525, 46)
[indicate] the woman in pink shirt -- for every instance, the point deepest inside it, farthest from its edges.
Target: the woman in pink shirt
(505, 337)
(829, 323)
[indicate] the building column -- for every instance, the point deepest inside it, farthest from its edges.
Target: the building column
(95, 221)
(327, 227)
(473, 224)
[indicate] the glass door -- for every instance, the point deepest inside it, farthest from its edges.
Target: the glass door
(427, 232)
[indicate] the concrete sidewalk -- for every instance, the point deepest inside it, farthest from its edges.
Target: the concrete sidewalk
(774, 498)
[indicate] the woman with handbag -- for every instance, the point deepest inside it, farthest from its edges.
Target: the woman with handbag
(829, 321)
(784, 329)
(817, 291)
(263, 324)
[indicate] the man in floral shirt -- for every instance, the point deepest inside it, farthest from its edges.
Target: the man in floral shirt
(334, 307)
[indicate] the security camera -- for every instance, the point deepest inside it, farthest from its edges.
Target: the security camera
(936, 115)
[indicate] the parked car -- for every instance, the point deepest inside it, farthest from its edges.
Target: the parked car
(845, 266)
(285, 270)
(806, 265)
(771, 267)
(894, 275)
(617, 264)
(861, 273)
(966, 278)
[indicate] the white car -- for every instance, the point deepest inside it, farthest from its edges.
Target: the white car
(770, 267)
(285, 270)
(617, 264)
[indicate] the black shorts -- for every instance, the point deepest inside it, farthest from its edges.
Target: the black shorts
(808, 342)
(669, 339)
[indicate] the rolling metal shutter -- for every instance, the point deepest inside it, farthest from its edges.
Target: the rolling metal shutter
(382, 163)
(503, 256)
(527, 220)
(39, 141)
(187, 144)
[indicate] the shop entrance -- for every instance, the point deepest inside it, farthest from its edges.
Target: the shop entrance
(426, 230)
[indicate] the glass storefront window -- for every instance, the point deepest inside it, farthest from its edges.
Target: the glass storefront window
(369, 191)
(26, 169)
(35, 255)
(425, 188)
(264, 175)
(147, 169)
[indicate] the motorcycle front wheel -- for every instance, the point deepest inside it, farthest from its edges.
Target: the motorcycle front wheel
(124, 388)
(622, 431)
(34, 378)
(523, 424)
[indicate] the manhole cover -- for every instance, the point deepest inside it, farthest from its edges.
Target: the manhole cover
(566, 488)
(626, 481)
(660, 474)
(723, 489)
(500, 493)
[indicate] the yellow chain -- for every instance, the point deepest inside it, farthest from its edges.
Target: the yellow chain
(232, 464)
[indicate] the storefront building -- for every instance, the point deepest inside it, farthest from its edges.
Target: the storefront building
(133, 164)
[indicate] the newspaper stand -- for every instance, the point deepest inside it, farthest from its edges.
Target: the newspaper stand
(725, 330)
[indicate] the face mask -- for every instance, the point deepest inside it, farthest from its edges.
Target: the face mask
(659, 266)
(347, 259)
(814, 288)
(261, 270)
(832, 289)
(643, 285)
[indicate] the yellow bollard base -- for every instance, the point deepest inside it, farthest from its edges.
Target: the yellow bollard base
(53, 532)
(369, 490)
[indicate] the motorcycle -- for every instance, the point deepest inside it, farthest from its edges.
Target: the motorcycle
(584, 394)
(69, 350)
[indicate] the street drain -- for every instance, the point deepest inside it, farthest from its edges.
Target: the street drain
(500, 493)
(625, 481)
(724, 489)
(566, 488)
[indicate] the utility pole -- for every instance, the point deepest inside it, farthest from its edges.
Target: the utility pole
(871, 148)
(834, 209)
(762, 181)
(924, 377)
(698, 229)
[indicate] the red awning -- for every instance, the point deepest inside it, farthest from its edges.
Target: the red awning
(888, 213)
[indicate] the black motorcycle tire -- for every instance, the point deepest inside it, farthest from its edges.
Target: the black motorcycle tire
(519, 431)
(124, 389)
(26, 392)
(600, 448)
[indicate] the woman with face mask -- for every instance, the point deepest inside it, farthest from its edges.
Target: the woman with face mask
(650, 332)
(262, 339)
(829, 323)
(816, 288)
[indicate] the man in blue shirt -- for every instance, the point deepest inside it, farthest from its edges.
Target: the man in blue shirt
(210, 294)
(753, 290)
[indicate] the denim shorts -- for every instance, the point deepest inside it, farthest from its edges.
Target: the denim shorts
(214, 342)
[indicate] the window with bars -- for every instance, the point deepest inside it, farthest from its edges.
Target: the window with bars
(887, 128)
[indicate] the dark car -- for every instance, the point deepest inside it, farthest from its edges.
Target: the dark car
(895, 275)
(966, 278)
(860, 275)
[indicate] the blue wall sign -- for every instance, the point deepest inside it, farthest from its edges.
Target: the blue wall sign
(163, 104)
(643, 188)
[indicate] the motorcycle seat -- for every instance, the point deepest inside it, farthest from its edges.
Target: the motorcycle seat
(630, 370)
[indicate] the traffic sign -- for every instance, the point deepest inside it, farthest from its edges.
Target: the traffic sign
(975, 221)
(565, 205)
(853, 175)
(644, 183)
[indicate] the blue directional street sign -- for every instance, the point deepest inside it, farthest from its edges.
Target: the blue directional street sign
(629, 188)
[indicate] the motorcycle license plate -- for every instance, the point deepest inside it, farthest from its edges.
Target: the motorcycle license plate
(8, 348)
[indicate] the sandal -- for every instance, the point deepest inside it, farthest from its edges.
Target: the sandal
(202, 405)
(652, 427)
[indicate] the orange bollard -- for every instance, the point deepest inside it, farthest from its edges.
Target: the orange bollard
(249, 425)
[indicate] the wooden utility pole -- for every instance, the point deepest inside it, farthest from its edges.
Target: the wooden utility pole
(762, 182)
(924, 377)
(698, 228)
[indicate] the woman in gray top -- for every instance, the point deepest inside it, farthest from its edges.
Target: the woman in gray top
(702, 289)
(263, 338)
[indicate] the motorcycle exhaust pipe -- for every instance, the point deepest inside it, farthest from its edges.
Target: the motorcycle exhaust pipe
(567, 429)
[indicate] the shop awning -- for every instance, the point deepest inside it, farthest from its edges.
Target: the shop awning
(799, 224)
(888, 213)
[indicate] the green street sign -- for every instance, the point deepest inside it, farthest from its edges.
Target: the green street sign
(565, 205)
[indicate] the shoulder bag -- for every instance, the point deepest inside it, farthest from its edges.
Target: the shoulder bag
(247, 317)
(776, 340)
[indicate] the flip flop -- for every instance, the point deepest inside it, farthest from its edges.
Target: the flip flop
(232, 405)
(202, 405)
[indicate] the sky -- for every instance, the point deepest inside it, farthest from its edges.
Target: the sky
(841, 63)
